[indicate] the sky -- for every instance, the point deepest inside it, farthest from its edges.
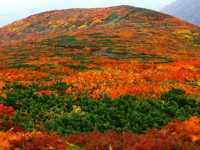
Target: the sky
(12, 10)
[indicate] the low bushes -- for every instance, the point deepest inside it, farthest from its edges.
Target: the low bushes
(174, 136)
(65, 115)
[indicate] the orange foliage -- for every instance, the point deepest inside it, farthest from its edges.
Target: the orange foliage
(29, 140)
(24, 76)
(176, 135)
(118, 78)
(126, 35)
(189, 129)
(142, 53)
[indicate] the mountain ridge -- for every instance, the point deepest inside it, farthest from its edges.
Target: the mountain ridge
(22, 25)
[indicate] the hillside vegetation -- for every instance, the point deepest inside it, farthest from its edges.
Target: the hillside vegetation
(118, 78)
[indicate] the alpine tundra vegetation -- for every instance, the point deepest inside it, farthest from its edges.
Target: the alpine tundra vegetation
(116, 78)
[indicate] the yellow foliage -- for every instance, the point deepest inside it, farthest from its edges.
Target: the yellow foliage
(183, 31)
(97, 21)
(83, 26)
(76, 109)
(198, 82)
(187, 34)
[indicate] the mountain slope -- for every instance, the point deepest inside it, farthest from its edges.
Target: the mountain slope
(99, 76)
(185, 9)
(141, 29)
(114, 50)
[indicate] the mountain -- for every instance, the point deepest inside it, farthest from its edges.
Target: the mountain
(185, 9)
(139, 29)
(58, 45)
(99, 76)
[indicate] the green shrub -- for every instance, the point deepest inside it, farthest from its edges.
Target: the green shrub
(66, 115)
(80, 58)
(65, 41)
(112, 18)
(24, 65)
(78, 67)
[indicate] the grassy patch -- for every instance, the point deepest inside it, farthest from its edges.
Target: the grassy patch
(65, 42)
(122, 54)
(78, 67)
(80, 58)
(113, 17)
(24, 65)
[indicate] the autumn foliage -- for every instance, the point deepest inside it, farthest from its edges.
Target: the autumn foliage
(77, 72)
(6, 110)
(176, 135)
(136, 79)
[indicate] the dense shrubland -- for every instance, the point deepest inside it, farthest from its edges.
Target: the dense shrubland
(50, 109)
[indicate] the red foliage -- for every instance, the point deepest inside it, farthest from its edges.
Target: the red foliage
(45, 92)
(152, 140)
(37, 140)
(176, 135)
(6, 110)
